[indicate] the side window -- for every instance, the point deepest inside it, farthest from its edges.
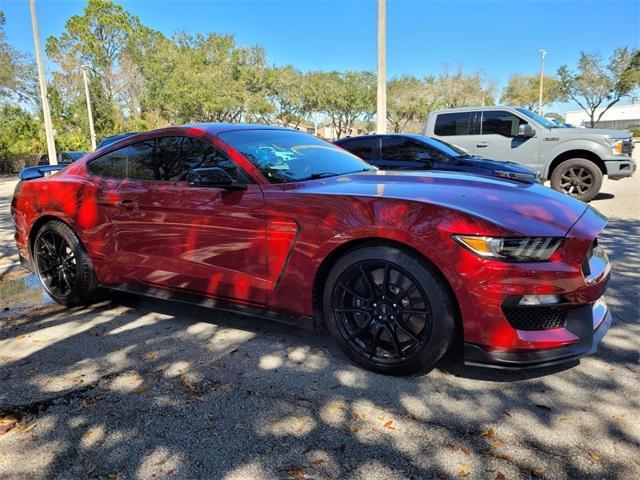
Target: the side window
(500, 123)
(140, 160)
(448, 124)
(362, 147)
(398, 148)
(177, 155)
(111, 165)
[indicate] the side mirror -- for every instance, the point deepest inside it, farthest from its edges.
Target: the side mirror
(213, 177)
(526, 131)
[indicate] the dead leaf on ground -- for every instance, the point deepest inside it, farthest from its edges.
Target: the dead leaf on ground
(341, 448)
(505, 457)
(141, 390)
(319, 461)
(389, 424)
(594, 456)
(295, 471)
(7, 423)
(488, 433)
(500, 476)
(150, 356)
(464, 470)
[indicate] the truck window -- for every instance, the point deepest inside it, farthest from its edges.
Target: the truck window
(500, 123)
(448, 124)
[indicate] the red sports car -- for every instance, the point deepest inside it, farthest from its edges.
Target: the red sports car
(269, 221)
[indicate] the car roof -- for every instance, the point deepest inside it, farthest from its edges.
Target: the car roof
(217, 128)
(414, 136)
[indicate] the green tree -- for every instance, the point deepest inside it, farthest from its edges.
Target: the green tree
(96, 38)
(205, 78)
(289, 94)
(17, 72)
(409, 101)
(524, 91)
(21, 137)
(343, 97)
(596, 87)
(458, 89)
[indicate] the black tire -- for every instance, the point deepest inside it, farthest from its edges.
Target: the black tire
(577, 177)
(62, 265)
(401, 311)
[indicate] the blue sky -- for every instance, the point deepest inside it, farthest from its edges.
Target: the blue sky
(497, 37)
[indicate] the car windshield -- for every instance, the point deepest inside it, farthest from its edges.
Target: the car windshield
(541, 120)
(291, 156)
(447, 148)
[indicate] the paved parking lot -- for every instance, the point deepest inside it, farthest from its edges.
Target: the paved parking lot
(139, 388)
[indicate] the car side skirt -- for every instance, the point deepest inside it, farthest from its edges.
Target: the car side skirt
(304, 322)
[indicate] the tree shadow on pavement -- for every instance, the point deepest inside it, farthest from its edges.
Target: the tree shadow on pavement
(139, 388)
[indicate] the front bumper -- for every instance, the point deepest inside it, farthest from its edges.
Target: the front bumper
(620, 167)
(588, 324)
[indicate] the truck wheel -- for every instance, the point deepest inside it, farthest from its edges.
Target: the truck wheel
(577, 177)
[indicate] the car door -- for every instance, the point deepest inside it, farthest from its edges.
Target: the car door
(402, 153)
(498, 139)
(204, 240)
(457, 128)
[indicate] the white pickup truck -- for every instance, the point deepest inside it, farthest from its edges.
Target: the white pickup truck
(574, 159)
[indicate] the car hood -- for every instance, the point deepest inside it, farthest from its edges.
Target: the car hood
(523, 208)
(497, 165)
(591, 131)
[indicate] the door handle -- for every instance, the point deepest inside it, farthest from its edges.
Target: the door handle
(482, 144)
(128, 204)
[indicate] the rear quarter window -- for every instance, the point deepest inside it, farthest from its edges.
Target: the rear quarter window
(451, 124)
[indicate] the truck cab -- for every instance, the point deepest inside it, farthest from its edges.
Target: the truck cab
(575, 160)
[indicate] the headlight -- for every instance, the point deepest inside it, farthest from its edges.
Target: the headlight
(511, 249)
(616, 145)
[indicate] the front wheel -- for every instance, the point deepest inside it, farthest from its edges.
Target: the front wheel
(388, 310)
(577, 177)
(62, 264)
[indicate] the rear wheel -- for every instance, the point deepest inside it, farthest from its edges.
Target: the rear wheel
(577, 177)
(62, 264)
(388, 311)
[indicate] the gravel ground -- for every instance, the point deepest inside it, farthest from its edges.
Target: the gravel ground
(140, 388)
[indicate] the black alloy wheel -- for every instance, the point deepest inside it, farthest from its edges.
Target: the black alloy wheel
(62, 264)
(56, 264)
(381, 311)
(390, 311)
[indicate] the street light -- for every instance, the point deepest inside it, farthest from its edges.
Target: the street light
(48, 124)
(381, 110)
(543, 53)
(92, 131)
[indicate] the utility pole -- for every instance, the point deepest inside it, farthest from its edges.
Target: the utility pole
(89, 112)
(543, 53)
(381, 110)
(48, 125)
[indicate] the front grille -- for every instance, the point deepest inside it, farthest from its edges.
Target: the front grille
(536, 318)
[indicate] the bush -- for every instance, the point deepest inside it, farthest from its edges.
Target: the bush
(635, 132)
(12, 164)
